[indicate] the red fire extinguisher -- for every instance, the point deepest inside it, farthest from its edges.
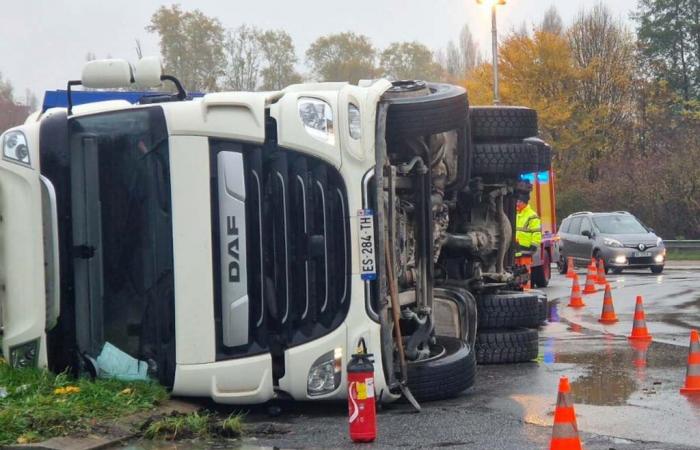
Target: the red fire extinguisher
(361, 408)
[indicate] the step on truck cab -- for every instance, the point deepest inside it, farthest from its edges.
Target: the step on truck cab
(240, 245)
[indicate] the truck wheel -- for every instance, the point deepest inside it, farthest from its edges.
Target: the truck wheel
(542, 274)
(417, 108)
(505, 159)
(506, 346)
(507, 310)
(544, 153)
(497, 123)
(445, 375)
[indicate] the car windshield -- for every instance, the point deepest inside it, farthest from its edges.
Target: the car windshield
(619, 225)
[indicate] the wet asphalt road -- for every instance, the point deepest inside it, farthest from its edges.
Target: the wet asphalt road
(625, 397)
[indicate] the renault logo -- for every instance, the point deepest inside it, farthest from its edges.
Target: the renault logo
(641, 247)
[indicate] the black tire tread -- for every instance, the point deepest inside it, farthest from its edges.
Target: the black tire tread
(506, 346)
(448, 111)
(509, 159)
(497, 123)
(507, 310)
(437, 380)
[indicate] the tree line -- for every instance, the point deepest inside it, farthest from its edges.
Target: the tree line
(206, 56)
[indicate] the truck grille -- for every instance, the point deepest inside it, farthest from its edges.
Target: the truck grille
(296, 260)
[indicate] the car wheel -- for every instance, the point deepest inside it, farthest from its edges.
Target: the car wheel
(562, 267)
(657, 269)
(506, 346)
(417, 108)
(507, 310)
(496, 123)
(616, 271)
(542, 274)
(449, 371)
(507, 159)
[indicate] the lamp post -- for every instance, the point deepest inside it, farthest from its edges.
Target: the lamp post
(494, 44)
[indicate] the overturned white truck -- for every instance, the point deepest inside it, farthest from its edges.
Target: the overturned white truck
(240, 245)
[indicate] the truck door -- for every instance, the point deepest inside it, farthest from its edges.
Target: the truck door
(122, 251)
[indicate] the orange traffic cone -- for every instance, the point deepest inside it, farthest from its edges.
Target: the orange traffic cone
(639, 326)
(565, 430)
(590, 280)
(692, 376)
(600, 277)
(570, 272)
(576, 300)
(594, 263)
(607, 316)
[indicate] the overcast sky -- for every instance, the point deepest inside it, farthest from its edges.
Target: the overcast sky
(43, 43)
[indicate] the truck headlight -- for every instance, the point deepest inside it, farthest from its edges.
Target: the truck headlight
(325, 373)
(317, 117)
(612, 242)
(15, 148)
(24, 355)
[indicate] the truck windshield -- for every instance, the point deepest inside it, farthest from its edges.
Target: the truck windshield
(122, 234)
(619, 225)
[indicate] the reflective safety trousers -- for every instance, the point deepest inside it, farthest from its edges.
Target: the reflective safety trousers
(528, 228)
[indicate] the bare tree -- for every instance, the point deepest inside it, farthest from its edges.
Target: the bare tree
(552, 23)
(244, 58)
(458, 59)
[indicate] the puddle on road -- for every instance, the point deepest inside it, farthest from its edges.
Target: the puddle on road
(614, 368)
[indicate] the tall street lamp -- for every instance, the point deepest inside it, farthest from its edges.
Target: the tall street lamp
(494, 44)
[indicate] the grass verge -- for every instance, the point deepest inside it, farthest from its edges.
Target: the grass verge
(682, 255)
(39, 404)
(192, 426)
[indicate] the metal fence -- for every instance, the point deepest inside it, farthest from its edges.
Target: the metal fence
(682, 245)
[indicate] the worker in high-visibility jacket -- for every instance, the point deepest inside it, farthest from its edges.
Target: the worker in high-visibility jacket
(528, 229)
(528, 237)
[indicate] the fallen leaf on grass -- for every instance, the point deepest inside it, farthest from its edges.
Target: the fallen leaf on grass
(127, 391)
(66, 390)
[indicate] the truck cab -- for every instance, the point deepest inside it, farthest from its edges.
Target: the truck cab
(240, 245)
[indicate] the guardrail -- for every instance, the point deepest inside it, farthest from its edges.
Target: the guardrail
(682, 245)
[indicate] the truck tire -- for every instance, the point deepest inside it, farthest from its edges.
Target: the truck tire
(451, 371)
(506, 346)
(505, 159)
(417, 108)
(508, 310)
(544, 153)
(499, 123)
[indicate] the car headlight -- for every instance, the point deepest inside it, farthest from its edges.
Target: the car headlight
(659, 258)
(620, 259)
(25, 355)
(317, 117)
(612, 242)
(354, 123)
(15, 148)
(659, 241)
(325, 373)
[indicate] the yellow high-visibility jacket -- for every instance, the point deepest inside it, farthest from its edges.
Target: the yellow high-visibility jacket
(528, 228)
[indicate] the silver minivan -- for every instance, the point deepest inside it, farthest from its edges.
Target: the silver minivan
(618, 238)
